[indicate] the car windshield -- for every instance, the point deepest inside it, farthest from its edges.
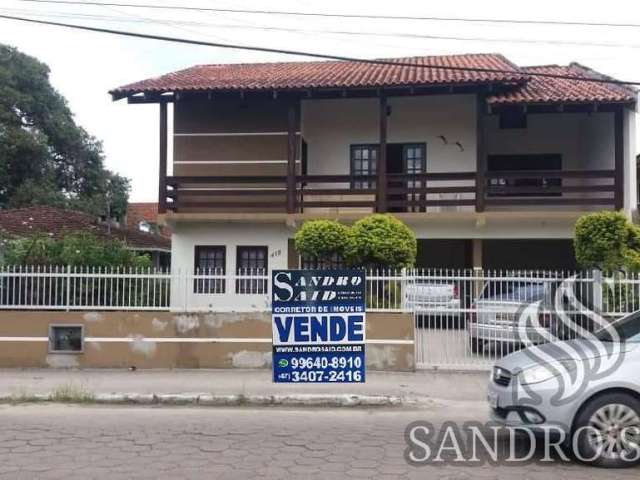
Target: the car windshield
(513, 291)
(627, 328)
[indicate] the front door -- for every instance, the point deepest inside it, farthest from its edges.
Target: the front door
(408, 159)
(395, 165)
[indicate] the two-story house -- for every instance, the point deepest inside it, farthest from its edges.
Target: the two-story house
(490, 163)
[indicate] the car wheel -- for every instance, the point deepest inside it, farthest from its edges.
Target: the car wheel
(608, 431)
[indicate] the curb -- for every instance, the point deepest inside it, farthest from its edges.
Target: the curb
(211, 400)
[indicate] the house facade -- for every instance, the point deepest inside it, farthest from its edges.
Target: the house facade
(488, 162)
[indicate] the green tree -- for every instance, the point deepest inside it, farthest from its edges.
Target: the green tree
(608, 241)
(381, 241)
(45, 158)
(78, 249)
(322, 241)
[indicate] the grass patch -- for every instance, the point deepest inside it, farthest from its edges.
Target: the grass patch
(22, 396)
(72, 393)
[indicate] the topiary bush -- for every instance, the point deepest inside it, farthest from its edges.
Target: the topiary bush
(607, 241)
(322, 241)
(381, 241)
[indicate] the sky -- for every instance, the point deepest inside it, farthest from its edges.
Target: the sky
(85, 66)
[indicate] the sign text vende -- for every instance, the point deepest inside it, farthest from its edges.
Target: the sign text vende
(319, 326)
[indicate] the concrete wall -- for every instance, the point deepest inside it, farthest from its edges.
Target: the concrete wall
(584, 140)
(184, 240)
(330, 126)
(166, 340)
(231, 137)
(630, 171)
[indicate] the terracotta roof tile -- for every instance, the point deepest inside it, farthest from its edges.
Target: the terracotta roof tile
(516, 86)
(144, 211)
(330, 74)
(556, 90)
(21, 222)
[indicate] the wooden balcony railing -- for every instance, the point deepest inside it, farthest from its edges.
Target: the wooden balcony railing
(551, 188)
(424, 192)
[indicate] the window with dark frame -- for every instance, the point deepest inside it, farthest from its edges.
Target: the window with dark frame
(66, 338)
(525, 186)
(335, 262)
(364, 161)
(512, 119)
(209, 260)
(415, 162)
(252, 261)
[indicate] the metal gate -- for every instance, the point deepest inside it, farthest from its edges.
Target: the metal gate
(467, 319)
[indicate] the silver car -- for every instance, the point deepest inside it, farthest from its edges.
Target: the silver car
(494, 322)
(588, 388)
(433, 298)
(495, 318)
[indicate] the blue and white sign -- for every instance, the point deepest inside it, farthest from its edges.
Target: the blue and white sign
(318, 323)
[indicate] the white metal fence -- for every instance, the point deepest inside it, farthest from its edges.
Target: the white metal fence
(88, 288)
(98, 288)
(463, 318)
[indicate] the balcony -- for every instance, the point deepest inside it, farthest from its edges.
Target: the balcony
(397, 193)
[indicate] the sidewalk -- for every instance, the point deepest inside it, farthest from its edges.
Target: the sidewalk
(234, 387)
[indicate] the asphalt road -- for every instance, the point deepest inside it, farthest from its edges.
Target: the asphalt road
(83, 442)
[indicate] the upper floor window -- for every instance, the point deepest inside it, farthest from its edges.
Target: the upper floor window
(513, 119)
(364, 161)
(252, 262)
(415, 161)
(210, 260)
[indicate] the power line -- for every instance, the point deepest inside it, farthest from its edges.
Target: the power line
(345, 15)
(306, 31)
(319, 55)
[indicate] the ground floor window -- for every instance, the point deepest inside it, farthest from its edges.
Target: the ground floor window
(210, 260)
(332, 263)
(252, 261)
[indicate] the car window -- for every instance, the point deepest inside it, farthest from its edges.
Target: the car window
(513, 291)
(628, 329)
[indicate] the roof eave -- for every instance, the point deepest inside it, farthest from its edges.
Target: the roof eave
(157, 95)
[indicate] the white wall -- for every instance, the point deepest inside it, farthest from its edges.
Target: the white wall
(584, 140)
(184, 240)
(630, 171)
(330, 126)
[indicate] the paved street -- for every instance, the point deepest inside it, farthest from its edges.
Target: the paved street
(59, 441)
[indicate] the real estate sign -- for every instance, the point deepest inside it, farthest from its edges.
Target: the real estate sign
(318, 323)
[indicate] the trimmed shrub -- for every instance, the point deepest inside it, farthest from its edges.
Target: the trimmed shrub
(608, 241)
(381, 241)
(322, 241)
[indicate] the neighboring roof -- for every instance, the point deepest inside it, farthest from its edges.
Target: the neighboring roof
(330, 74)
(556, 90)
(144, 211)
(22, 222)
(519, 88)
